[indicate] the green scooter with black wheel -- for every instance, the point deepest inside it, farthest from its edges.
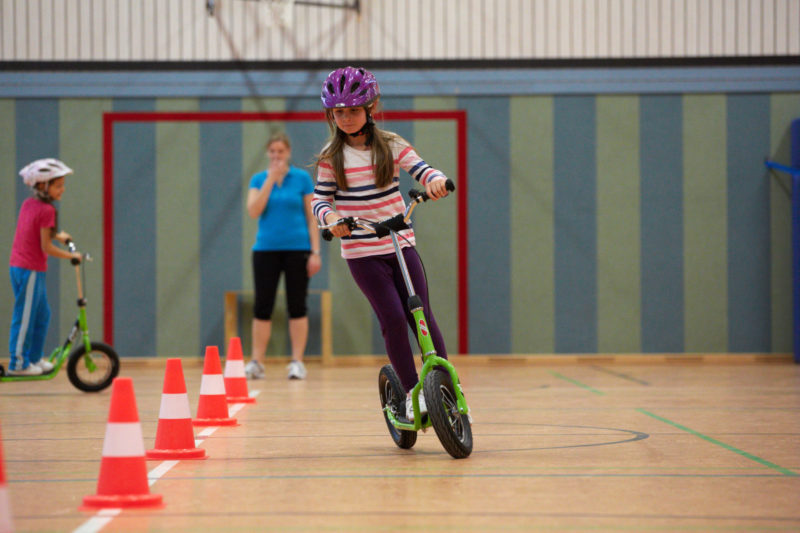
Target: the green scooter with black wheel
(448, 412)
(91, 365)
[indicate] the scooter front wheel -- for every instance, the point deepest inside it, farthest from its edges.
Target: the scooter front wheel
(453, 429)
(393, 397)
(106, 367)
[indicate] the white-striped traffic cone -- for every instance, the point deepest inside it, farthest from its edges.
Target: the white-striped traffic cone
(235, 380)
(6, 525)
(123, 469)
(212, 408)
(175, 435)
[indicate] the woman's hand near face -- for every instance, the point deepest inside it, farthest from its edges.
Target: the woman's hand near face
(278, 168)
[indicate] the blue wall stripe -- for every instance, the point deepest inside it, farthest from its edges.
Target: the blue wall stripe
(37, 137)
(661, 163)
(748, 223)
(134, 232)
(221, 207)
(575, 235)
(489, 239)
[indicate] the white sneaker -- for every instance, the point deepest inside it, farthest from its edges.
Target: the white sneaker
(45, 365)
(410, 407)
(32, 370)
(254, 370)
(297, 370)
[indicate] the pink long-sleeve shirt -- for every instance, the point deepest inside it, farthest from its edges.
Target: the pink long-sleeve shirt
(364, 200)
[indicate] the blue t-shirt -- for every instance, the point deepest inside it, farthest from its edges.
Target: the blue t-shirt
(283, 225)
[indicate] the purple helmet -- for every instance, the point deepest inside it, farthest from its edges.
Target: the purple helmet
(349, 87)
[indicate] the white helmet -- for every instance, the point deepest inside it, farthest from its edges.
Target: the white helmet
(43, 170)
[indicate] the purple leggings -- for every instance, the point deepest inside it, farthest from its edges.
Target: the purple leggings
(381, 281)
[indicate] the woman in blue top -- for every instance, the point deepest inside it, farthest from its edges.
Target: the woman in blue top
(287, 241)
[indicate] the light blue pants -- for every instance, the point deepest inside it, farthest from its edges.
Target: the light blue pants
(30, 319)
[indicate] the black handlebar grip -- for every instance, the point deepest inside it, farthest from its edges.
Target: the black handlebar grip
(327, 235)
(414, 193)
(75, 261)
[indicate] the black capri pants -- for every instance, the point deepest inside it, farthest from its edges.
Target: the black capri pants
(267, 268)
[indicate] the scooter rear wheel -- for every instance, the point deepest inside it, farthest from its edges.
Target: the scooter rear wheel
(453, 429)
(106, 361)
(393, 397)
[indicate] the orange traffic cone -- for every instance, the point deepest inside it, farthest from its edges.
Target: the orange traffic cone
(5, 506)
(212, 409)
(235, 380)
(123, 469)
(175, 435)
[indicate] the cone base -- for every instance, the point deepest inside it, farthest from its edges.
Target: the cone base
(240, 399)
(188, 453)
(215, 422)
(103, 501)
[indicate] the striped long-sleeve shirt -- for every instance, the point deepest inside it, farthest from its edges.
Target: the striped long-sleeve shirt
(364, 200)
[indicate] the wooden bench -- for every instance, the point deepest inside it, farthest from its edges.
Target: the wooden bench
(326, 327)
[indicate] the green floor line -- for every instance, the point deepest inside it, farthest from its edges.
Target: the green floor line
(575, 382)
(728, 447)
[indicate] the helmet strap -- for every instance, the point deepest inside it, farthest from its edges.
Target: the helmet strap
(366, 129)
(43, 194)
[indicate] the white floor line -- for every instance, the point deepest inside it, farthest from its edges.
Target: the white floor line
(104, 516)
(99, 521)
(160, 470)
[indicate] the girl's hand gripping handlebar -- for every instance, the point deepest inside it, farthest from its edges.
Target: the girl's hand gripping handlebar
(381, 229)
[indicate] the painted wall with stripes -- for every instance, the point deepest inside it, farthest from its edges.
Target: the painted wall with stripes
(598, 223)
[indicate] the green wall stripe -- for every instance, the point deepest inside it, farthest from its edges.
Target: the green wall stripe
(704, 224)
(784, 108)
(618, 235)
(177, 232)
(8, 210)
(435, 224)
(532, 245)
(82, 211)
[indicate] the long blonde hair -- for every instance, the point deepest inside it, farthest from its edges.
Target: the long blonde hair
(380, 148)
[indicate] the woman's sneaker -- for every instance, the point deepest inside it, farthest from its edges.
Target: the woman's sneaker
(32, 370)
(45, 365)
(254, 370)
(297, 370)
(410, 407)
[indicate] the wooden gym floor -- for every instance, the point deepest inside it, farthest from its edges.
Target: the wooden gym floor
(599, 445)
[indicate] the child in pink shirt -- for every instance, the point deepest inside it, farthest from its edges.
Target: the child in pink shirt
(33, 242)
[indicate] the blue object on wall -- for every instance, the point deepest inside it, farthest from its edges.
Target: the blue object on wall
(794, 172)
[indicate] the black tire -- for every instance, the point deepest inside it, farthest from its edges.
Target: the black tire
(104, 357)
(392, 395)
(2, 371)
(453, 429)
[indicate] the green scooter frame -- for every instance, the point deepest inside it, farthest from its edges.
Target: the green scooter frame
(91, 365)
(448, 412)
